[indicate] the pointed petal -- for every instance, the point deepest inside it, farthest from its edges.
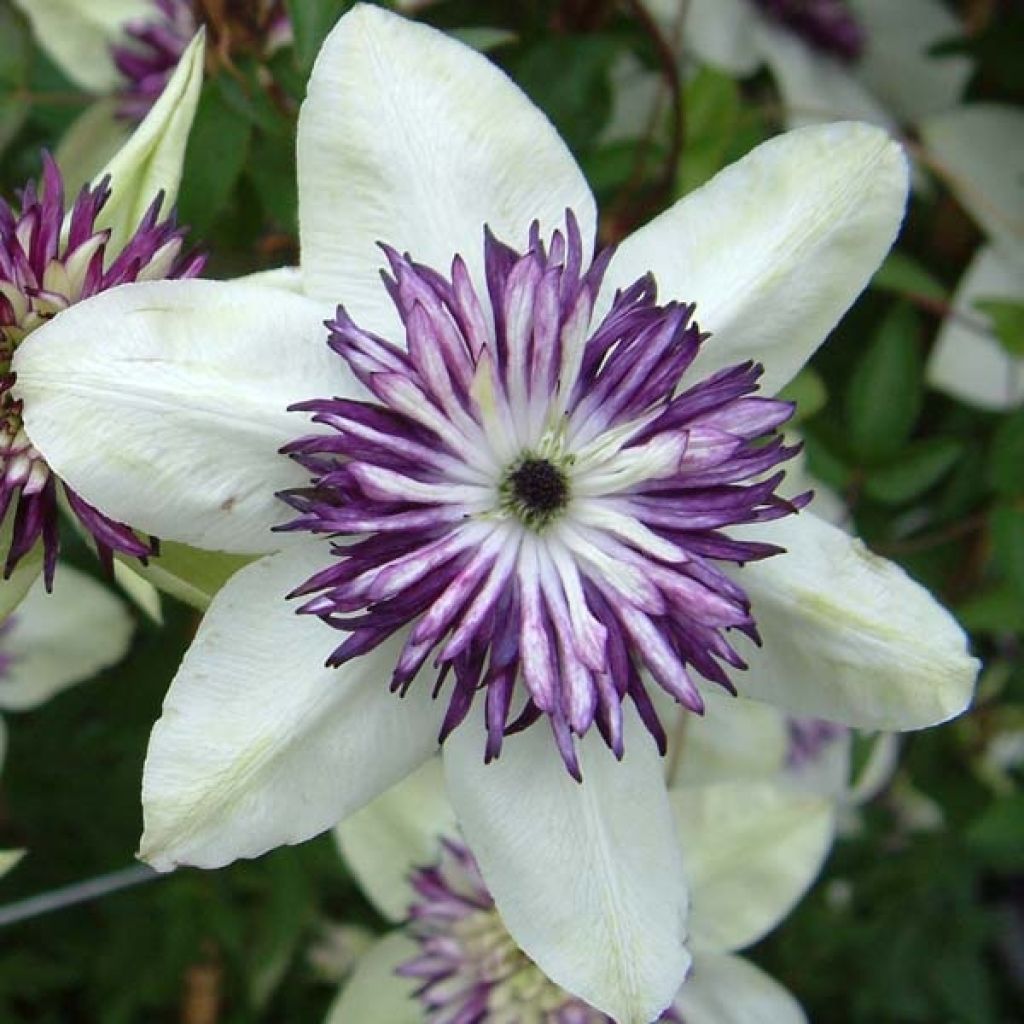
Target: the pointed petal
(150, 162)
(259, 744)
(751, 850)
(399, 831)
(731, 990)
(375, 994)
(411, 138)
(587, 877)
(77, 36)
(164, 404)
(978, 149)
(968, 361)
(63, 638)
(9, 860)
(896, 64)
(848, 636)
(776, 247)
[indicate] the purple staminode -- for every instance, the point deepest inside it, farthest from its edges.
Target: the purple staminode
(536, 502)
(808, 739)
(49, 260)
(468, 969)
(828, 25)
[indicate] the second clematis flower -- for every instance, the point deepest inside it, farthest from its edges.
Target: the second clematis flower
(540, 483)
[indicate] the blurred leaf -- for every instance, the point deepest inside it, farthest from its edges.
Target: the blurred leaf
(999, 610)
(807, 390)
(311, 21)
(712, 108)
(885, 393)
(903, 275)
(1006, 458)
(1007, 322)
(1007, 525)
(920, 465)
(190, 575)
(217, 152)
(484, 39)
(272, 173)
(997, 835)
(16, 48)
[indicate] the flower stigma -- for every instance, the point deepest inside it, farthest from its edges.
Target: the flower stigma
(535, 501)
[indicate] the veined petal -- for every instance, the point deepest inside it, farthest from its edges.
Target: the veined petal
(260, 744)
(398, 832)
(968, 361)
(172, 421)
(587, 877)
(751, 850)
(848, 636)
(731, 990)
(775, 248)
(150, 162)
(375, 994)
(63, 638)
(77, 35)
(896, 64)
(978, 149)
(411, 138)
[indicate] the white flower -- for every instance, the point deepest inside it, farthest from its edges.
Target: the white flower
(174, 420)
(978, 150)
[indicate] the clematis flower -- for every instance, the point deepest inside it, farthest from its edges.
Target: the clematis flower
(750, 850)
(52, 256)
(831, 59)
(261, 742)
(978, 149)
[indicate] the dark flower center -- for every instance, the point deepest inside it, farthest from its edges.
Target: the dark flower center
(538, 488)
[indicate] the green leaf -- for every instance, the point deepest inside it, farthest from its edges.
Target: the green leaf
(1007, 525)
(807, 390)
(712, 113)
(311, 21)
(884, 396)
(997, 835)
(920, 466)
(16, 49)
(190, 575)
(217, 152)
(999, 610)
(1007, 322)
(903, 275)
(483, 38)
(1006, 457)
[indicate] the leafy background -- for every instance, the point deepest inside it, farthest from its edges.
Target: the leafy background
(907, 923)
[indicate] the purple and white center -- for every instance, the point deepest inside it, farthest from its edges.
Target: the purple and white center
(537, 502)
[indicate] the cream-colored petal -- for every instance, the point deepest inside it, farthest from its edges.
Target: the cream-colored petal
(751, 850)
(165, 403)
(587, 877)
(775, 248)
(57, 640)
(411, 138)
(150, 162)
(718, 32)
(731, 990)
(396, 833)
(375, 994)
(968, 361)
(978, 150)
(9, 859)
(260, 744)
(848, 636)
(77, 35)
(896, 65)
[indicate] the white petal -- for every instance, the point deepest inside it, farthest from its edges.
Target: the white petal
(93, 139)
(734, 739)
(396, 833)
(848, 636)
(731, 990)
(968, 361)
(719, 32)
(165, 404)
(776, 247)
(259, 744)
(411, 138)
(827, 774)
(288, 278)
(895, 63)
(59, 639)
(751, 850)
(77, 35)
(375, 994)
(9, 859)
(979, 150)
(587, 877)
(150, 161)
(816, 88)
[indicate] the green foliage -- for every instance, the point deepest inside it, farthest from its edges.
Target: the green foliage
(1007, 323)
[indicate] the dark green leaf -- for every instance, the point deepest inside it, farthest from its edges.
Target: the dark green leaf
(311, 21)
(903, 275)
(920, 465)
(998, 834)
(712, 105)
(999, 610)
(1007, 322)
(807, 390)
(1006, 460)
(1007, 525)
